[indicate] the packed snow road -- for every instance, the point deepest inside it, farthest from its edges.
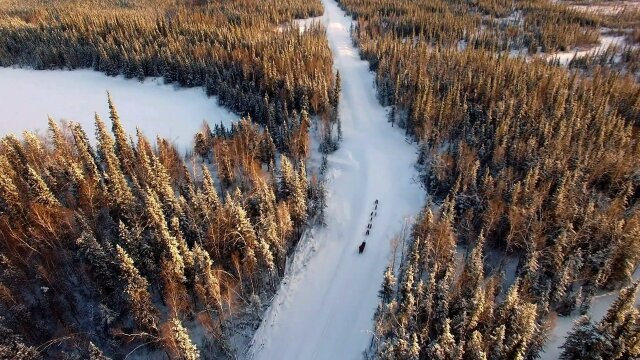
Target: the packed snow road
(325, 305)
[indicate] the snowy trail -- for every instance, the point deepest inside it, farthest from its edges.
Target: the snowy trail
(325, 305)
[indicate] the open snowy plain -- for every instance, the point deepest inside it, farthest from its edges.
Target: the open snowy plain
(28, 96)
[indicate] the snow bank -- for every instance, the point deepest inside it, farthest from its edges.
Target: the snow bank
(28, 96)
(325, 305)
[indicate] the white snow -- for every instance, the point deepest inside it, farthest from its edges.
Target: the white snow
(325, 305)
(607, 8)
(28, 96)
(301, 24)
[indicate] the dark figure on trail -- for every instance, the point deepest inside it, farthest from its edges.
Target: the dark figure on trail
(369, 226)
(361, 247)
(376, 206)
(376, 201)
(371, 214)
(367, 234)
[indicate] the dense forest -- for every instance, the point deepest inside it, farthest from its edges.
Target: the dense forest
(520, 28)
(125, 246)
(128, 246)
(120, 246)
(239, 51)
(529, 163)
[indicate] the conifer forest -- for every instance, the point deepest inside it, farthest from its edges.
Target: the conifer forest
(404, 180)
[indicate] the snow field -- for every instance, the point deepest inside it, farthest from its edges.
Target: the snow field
(176, 114)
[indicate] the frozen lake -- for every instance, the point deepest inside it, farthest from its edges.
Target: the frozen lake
(28, 96)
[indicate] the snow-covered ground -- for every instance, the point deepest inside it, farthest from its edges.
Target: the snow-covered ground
(564, 57)
(325, 305)
(607, 8)
(301, 24)
(28, 96)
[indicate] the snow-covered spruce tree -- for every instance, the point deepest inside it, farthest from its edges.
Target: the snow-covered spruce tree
(206, 284)
(59, 142)
(223, 164)
(407, 314)
(201, 145)
(388, 285)
(34, 149)
(38, 190)
(475, 347)
(179, 343)
(122, 148)
(161, 183)
(12, 345)
(619, 309)
(584, 342)
(86, 156)
(471, 298)
(103, 268)
(287, 179)
(268, 232)
(299, 196)
(9, 195)
(621, 326)
(121, 196)
(183, 247)
(210, 195)
(444, 347)
(136, 293)
(172, 264)
(441, 301)
(267, 151)
(519, 318)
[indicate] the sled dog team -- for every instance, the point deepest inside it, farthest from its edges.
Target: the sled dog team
(373, 214)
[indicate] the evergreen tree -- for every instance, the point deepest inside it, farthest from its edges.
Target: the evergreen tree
(9, 195)
(117, 185)
(59, 141)
(444, 348)
(207, 286)
(86, 154)
(299, 196)
(288, 179)
(388, 285)
(475, 348)
(584, 342)
(136, 293)
(12, 345)
(38, 189)
(209, 191)
(497, 349)
(267, 154)
(618, 310)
